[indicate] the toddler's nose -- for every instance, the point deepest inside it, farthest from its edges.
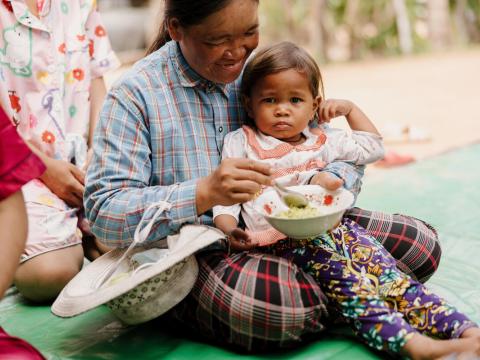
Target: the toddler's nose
(281, 110)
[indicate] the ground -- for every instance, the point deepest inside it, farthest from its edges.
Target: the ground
(437, 92)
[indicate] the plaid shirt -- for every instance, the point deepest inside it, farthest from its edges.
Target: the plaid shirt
(160, 130)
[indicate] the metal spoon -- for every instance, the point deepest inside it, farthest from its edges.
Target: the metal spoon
(289, 197)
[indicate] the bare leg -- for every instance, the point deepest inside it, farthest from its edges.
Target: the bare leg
(421, 347)
(44, 276)
(93, 248)
(472, 332)
(12, 215)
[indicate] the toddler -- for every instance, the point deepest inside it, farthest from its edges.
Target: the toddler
(386, 308)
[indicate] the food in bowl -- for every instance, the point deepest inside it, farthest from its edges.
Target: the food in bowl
(316, 207)
(330, 205)
(299, 213)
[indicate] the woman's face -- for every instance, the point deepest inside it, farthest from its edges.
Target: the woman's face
(218, 48)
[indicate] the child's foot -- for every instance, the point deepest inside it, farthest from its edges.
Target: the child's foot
(92, 248)
(420, 347)
(327, 181)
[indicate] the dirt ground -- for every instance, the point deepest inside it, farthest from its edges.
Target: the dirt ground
(438, 93)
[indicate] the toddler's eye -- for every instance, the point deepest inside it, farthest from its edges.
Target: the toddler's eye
(295, 100)
(269, 100)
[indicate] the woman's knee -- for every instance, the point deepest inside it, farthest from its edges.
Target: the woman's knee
(411, 241)
(44, 276)
(257, 301)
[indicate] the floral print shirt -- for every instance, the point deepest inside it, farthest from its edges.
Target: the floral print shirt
(46, 67)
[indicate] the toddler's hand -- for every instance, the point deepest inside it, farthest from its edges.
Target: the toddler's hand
(239, 240)
(333, 108)
(327, 181)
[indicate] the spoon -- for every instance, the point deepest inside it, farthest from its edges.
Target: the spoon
(289, 197)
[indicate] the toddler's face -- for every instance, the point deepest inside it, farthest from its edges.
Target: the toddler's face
(282, 104)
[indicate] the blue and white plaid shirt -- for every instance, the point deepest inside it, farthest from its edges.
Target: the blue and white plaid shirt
(160, 130)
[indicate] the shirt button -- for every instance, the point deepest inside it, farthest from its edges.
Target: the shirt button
(210, 86)
(220, 129)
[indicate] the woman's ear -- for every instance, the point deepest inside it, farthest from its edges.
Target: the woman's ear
(247, 104)
(174, 29)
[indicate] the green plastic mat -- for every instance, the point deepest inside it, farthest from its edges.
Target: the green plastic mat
(442, 190)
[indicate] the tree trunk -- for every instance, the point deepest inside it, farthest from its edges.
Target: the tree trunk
(317, 36)
(289, 19)
(461, 21)
(403, 26)
(353, 22)
(439, 23)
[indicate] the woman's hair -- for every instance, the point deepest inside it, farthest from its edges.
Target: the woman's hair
(188, 13)
(281, 57)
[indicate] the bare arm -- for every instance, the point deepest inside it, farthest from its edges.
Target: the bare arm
(238, 238)
(98, 91)
(13, 216)
(226, 223)
(356, 118)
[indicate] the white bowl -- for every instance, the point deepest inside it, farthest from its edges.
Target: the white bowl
(269, 204)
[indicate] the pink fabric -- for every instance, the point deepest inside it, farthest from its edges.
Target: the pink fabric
(265, 237)
(18, 165)
(13, 348)
(47, 64)
(52, 224)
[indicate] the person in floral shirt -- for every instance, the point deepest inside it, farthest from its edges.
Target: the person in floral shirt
(53, 54)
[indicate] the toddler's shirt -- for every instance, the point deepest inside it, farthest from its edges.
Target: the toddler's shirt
(295, 164)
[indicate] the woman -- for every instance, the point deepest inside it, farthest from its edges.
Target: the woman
(160, 137)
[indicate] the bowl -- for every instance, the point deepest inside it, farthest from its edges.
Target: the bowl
(331, 205)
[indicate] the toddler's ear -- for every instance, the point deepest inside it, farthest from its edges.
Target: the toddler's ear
(247, 103)
(316, 103)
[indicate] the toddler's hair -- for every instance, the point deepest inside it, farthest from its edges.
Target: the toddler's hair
(277, 58)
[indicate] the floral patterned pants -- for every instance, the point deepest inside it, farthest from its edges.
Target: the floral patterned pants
(384, 306)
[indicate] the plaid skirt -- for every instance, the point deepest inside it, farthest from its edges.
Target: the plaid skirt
(256, 301)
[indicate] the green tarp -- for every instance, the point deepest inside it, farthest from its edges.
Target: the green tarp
(442, 190)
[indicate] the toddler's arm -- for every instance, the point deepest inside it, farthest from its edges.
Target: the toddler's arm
(238, 238)
(356, 118)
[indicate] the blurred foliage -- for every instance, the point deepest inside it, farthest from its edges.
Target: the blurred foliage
(351, 29)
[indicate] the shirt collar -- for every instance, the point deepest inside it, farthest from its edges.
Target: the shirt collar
(25, 17)
(189, 77)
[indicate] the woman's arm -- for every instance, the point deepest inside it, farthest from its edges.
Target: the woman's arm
(118, 185)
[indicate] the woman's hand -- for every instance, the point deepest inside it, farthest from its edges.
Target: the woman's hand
(239, 240)
(234, 181)
(65, 180)
(333, 108)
